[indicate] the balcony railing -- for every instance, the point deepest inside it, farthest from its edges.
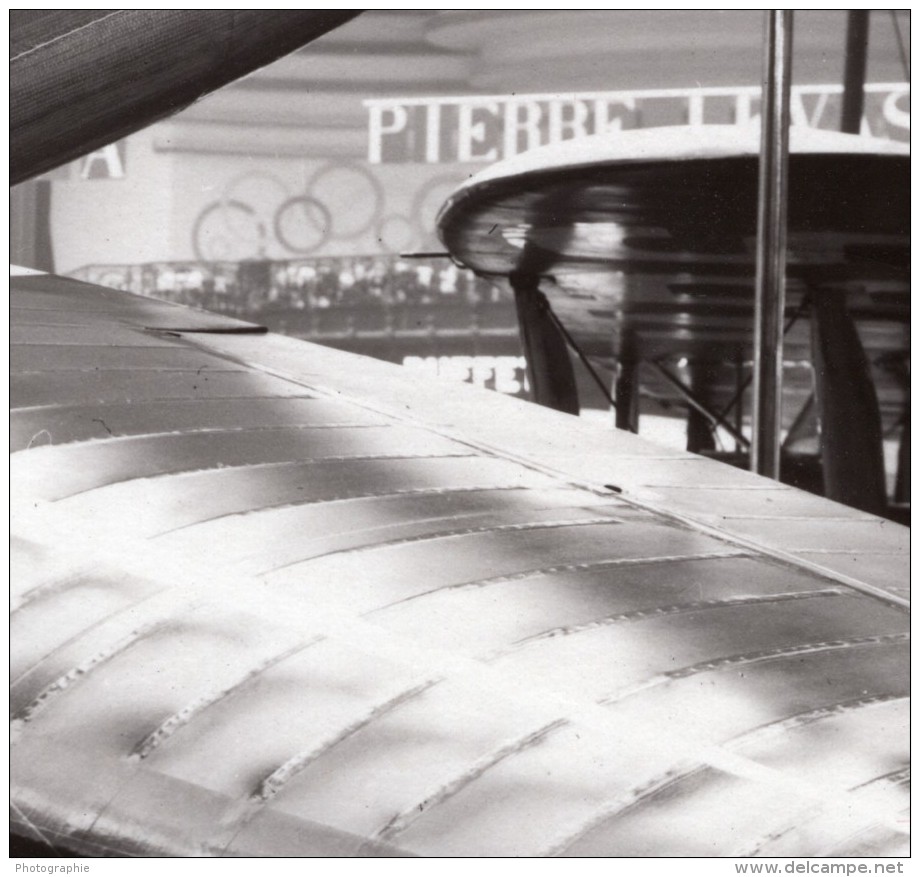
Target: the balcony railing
(253, 287)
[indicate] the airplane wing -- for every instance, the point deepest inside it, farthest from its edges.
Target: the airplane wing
(274, 599)
(83, 78)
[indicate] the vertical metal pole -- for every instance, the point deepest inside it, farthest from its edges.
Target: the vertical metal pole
(854, 74)
(902, 479)
(627, 395)
(740, 387)
(700, 431)
(770, 287)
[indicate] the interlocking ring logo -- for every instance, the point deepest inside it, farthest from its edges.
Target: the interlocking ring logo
(302, 224)
(258, 215)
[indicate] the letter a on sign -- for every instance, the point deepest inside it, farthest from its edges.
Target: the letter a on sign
(107, 163)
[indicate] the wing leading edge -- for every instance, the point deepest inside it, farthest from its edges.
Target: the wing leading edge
(83, 78)
(272, 599)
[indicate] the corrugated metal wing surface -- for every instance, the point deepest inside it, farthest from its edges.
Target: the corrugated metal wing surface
(260, 609)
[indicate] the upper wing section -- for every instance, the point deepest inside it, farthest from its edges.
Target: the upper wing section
(273, 599)
(80, 79)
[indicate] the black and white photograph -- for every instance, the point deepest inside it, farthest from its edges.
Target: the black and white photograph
(471, 433)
